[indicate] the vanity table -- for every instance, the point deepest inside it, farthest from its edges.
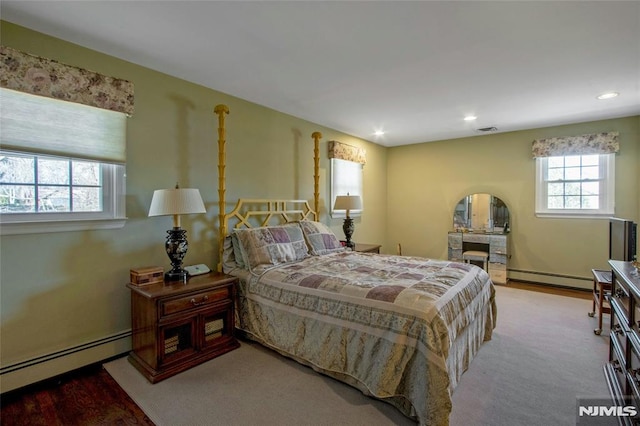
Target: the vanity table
(497, 245)
(481, 223)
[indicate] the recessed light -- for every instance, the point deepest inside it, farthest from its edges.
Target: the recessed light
(470, 118)
(379, 132)
(608, 95)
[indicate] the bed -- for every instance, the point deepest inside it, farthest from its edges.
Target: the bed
(398, 328)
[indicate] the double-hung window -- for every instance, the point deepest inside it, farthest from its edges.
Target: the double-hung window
(62, 163)
(575, 177)
(347, 164)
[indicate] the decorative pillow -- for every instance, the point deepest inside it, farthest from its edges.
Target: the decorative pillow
(320, 238)
(272, 245)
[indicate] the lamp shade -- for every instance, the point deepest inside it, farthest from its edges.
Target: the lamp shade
(348, 202)
(176, 201)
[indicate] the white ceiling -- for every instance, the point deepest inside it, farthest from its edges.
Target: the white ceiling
(412, 69)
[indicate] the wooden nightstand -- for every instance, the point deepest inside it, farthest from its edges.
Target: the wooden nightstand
(368, 248)
(177, 326)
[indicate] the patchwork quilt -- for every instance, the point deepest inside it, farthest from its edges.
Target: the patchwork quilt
(402, 329)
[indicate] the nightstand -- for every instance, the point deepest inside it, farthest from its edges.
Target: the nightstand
(368, 248)
(176, 326)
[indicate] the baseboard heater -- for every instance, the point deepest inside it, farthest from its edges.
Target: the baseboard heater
(549, 278)
(42, 367)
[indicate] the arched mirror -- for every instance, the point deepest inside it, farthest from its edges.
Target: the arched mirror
(481, 213)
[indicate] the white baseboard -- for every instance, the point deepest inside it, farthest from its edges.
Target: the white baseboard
(551, 279)
(33, 370)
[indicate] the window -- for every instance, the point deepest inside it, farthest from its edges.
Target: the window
(61, 165)
(47, 184)
(347, 163)
(346, 178)
(575, 185)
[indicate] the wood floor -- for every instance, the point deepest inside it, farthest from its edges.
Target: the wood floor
(89, 396)
(561, 291)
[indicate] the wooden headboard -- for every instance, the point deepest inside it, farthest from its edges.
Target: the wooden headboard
(250, 213)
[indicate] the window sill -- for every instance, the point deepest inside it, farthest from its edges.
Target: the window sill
(17, 228)
(574, 215)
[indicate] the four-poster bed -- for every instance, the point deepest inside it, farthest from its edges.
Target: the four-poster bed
(401, 329)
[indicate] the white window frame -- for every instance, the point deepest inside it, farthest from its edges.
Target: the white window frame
(606, 191)
(346, 177)
(35, 125)
(112, 215)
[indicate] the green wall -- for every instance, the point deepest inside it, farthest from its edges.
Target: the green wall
(62, 290)
(63, 295)
(426, 181)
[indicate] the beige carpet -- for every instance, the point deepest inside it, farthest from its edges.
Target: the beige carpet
(543, 356)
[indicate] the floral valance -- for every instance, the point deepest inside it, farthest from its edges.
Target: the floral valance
(347, 152)
(45, 77)
(596, 143)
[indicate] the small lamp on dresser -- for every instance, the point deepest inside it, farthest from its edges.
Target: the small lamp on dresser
(176, 202)
(348, 202)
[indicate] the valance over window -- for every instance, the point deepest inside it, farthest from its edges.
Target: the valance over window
(595, 143)
(56, 109)
(45, 77)
(346, 152)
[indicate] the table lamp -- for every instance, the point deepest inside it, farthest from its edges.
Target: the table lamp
(176, 202)
(348, 202)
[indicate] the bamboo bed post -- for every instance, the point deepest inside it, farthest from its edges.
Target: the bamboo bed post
(221, 110)
(316, 173)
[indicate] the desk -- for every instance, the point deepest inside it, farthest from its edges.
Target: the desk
(601, 285)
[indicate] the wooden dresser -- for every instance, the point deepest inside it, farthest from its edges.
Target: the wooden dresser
(623, 369)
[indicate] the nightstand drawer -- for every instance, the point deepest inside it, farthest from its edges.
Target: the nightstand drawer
(168, 307)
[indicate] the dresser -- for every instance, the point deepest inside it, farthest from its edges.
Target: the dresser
(622, 371)
(497, 245)
(176, 326)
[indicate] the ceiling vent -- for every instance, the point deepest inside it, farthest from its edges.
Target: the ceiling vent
(488, 129)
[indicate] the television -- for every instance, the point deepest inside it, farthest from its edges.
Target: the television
(623, 237)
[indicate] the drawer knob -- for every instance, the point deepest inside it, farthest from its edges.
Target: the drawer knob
(196, 303)
(616, 366)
